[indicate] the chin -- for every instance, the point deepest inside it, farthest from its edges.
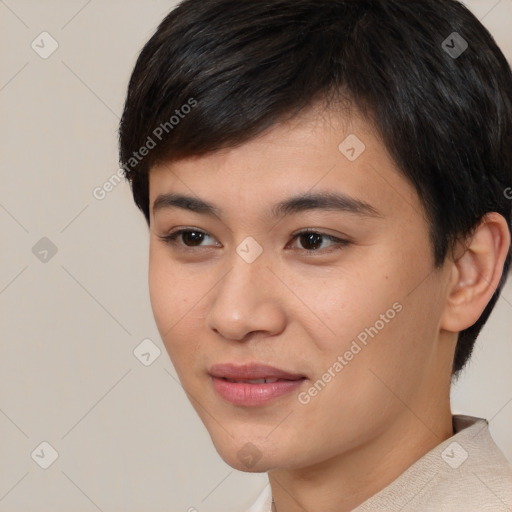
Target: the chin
(248, 456)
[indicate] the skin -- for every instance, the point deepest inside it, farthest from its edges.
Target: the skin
(298, 310)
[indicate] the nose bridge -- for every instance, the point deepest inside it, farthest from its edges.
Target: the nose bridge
(249, 271)
(245, 300)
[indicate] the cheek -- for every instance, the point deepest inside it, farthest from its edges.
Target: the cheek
(163, 296)
(172, 297)
(375, 323)
(346, 304)
(386, 354)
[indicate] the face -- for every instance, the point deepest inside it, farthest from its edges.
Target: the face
(335, 296)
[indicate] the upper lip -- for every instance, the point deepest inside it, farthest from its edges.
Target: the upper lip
(251, 371)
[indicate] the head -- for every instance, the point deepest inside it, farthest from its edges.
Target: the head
(362, 123)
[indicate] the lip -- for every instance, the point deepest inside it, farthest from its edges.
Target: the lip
(251, 371)
(253, 394)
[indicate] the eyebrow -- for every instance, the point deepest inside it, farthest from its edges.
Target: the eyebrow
(293, 205)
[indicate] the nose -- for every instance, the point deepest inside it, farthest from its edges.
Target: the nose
(247, 300)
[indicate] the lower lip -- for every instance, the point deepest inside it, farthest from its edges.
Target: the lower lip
(244, 394)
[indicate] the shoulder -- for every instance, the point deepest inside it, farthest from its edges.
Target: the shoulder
(476, 475)
(467, 472)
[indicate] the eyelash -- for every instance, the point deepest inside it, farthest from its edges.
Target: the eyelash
(339, 243)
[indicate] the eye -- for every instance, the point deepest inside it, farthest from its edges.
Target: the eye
(189, 238)
(313, 241)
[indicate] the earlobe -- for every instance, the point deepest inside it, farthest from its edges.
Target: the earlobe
(476, 272)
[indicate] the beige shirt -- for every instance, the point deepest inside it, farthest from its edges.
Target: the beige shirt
(465, 473)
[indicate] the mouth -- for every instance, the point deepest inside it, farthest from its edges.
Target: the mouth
(253, 384)
(253, 381)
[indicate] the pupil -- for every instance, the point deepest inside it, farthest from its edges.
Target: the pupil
(192, 237)
(311, 239)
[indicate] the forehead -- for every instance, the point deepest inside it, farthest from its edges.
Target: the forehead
(314, 152)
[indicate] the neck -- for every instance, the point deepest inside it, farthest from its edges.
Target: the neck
(345, 481)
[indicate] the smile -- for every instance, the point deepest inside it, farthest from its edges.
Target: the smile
(253, 384)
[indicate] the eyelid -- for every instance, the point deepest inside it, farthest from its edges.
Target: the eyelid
(172, 239)
(337, 244)
(320, 231)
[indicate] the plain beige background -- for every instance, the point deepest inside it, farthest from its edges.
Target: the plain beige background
(127, 438)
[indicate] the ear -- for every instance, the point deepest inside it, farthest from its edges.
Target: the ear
(475, 273)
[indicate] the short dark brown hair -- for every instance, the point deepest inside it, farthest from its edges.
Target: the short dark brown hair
(428, 75)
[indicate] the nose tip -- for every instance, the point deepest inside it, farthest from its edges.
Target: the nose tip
(245, 301)
(230, 326)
